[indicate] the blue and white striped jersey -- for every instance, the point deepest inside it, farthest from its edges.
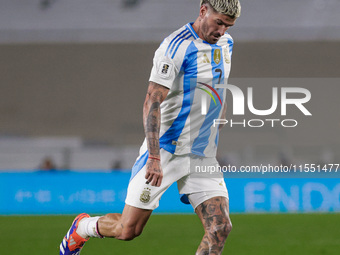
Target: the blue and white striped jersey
(190, 68)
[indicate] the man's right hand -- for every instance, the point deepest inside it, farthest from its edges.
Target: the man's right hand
(154, 173)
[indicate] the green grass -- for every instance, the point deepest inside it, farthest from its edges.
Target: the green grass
(180, 234)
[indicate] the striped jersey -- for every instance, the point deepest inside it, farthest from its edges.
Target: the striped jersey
(191, 68)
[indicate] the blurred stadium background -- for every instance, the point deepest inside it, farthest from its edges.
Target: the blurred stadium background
(73, 80)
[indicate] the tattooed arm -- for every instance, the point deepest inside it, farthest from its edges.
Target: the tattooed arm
(151, 120)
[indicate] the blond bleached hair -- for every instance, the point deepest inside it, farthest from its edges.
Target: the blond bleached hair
(232, 8)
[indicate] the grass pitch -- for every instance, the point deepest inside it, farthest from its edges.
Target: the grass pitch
(293, 234)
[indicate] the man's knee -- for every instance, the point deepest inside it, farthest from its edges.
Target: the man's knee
(214, 214)
(228, 227)
(221, 230)
(130, 233)
(132, 222)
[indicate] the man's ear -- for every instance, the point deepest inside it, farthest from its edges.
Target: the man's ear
(203, 11)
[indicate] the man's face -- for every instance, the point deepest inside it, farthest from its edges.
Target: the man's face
(213, 24)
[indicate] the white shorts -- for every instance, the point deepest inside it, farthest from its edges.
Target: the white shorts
(176, 168)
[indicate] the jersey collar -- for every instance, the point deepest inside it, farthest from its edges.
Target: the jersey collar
(194, 34)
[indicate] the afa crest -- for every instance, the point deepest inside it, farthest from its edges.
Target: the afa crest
(145, 196)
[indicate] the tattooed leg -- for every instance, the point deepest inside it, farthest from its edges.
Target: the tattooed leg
(214, 215)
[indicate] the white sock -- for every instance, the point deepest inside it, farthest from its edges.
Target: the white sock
(88, 227)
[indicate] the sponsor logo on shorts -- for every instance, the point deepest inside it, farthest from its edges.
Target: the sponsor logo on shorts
(145, 196)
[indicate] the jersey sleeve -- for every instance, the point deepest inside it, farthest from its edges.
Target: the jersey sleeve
(230, 44)
(165, 66)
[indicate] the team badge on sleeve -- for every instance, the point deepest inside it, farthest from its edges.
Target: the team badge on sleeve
(165, 69)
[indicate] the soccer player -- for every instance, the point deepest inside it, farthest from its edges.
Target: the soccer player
(179, 134)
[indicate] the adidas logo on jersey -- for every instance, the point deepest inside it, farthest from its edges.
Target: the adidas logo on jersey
(204, 59)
